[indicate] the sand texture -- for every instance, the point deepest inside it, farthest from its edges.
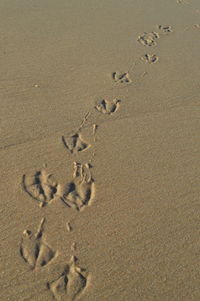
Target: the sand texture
(99, 150)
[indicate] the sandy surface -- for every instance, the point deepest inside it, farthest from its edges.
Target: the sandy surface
(99, 150)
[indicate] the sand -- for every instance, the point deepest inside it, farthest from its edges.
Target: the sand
(99, 144)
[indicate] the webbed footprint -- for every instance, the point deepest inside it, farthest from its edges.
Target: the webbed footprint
(81, 190)
(71, 284)
(150, 58)
(34, 250)
(41, 187)
(148, 39)
(108, 107)
(121, 77)
(165, 28)
(75, 143)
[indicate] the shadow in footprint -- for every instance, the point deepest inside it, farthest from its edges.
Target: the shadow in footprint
(119, 77)
(41, 187)
(34, 250)
(148, 39)
(71, 283)
(81, 190)
(108, 107)
(75, 143)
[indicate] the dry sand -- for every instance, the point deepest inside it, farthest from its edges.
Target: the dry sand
(99, 145)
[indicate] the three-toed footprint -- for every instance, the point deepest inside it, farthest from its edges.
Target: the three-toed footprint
(81, 190)
(121, 77)
(71, 283)
(75, 143)
(41, 187)
(148, 39)
(108, 106)
(34, 250)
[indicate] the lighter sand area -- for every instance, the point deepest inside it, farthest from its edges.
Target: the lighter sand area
(99, 144)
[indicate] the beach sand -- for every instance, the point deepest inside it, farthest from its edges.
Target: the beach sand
(99, 144)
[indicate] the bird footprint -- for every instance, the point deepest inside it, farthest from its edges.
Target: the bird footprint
(71, 283)
(148, 39)
(80, 192)
(108, 107)
(75, 143)
(121, 77)
(34, 250)
(41, 187)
